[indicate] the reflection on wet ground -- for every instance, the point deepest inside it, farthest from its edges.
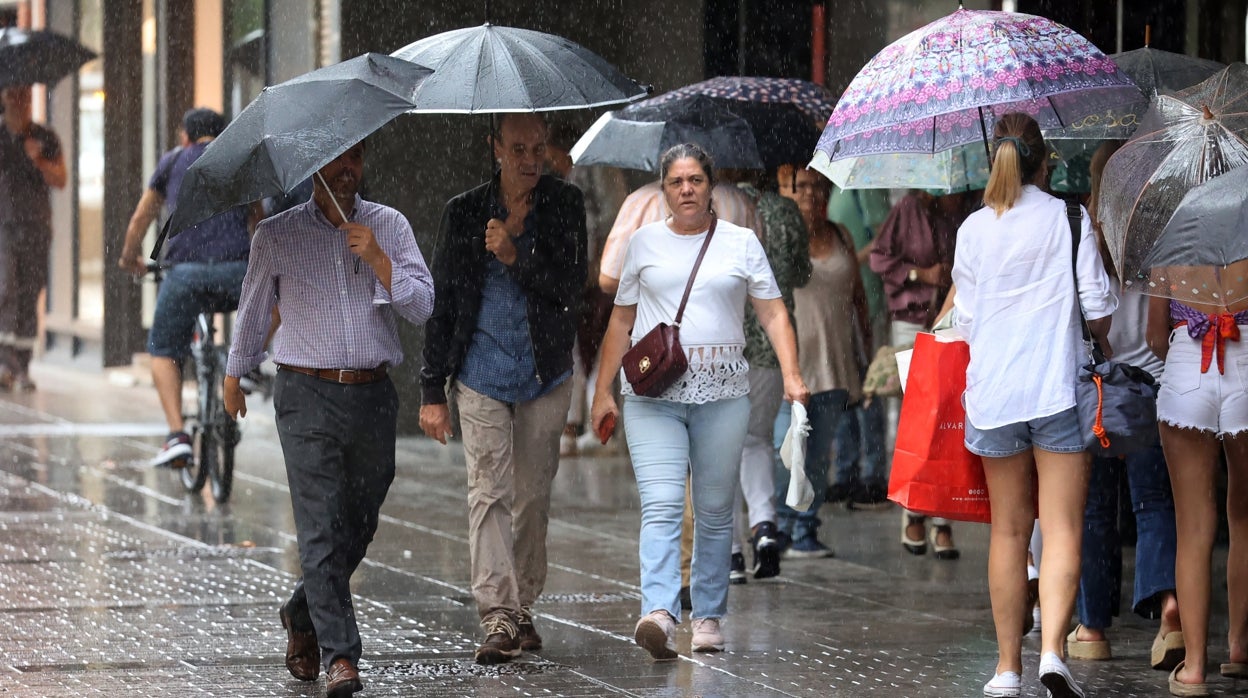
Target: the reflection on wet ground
(113, 581)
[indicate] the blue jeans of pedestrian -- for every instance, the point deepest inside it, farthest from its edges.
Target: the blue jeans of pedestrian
(860, 447)
(1101, 571)
(668, 441)
(824, 412)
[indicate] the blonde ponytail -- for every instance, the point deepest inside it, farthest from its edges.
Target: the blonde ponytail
(1005, 182)
(1018, 158)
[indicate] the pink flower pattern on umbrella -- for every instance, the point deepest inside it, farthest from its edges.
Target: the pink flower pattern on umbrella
(975, 64)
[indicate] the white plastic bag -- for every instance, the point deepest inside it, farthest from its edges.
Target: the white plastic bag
(793, 454)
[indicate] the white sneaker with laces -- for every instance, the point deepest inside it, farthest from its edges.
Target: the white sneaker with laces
(1056, 677)
(656, 634)
(1007, 684)
(706, 635)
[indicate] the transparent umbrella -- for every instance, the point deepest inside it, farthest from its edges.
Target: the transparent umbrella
(1183, 141)
(958, 169)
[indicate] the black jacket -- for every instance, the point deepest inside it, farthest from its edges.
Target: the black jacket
(551, 270)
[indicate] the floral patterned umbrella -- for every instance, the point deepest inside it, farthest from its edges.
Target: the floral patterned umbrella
(943, 85)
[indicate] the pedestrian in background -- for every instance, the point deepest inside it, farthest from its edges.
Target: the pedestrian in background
(830, 310)
(1152, 504)
(913, 255)
(510, 272)
(698, 424)
(335, 405)
(1018, 307)
(31, 163)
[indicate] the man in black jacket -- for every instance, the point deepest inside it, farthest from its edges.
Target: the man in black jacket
(508, 272)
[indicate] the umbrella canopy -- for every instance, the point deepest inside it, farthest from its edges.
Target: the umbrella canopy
(943, 85)
(292, 130)
(636, 137)
(1155, 72)
(1204, 246)
(815, 101)
(781, 112)
(490, 69)
(1184, 140)
(28, 57)
(963, 168)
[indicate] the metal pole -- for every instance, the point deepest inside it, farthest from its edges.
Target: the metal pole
(1118, 29)
(741, 9)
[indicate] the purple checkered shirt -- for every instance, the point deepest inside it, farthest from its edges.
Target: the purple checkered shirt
(332, 316)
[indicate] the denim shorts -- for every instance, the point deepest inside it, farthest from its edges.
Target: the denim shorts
(1057, 433)
(188, 289)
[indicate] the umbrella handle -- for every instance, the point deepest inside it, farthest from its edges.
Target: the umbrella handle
(341, 215)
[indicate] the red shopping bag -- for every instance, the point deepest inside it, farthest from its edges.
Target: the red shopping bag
(933, 473)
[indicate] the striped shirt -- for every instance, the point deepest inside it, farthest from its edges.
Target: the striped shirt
(647, 205)
(332, 315)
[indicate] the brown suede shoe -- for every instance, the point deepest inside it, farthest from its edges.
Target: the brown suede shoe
(342, 679)
(303, 654)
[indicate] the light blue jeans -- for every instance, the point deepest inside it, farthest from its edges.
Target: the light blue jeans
(666, 440)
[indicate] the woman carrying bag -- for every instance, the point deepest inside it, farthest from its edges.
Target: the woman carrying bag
(688, 277)
(1018, 308)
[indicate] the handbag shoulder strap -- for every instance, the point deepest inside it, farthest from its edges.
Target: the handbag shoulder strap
(680, 312)
(1075, 217)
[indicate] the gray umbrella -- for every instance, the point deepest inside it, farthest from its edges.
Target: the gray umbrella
(637, 140)
(1209, 227)
(292, 130)
(490, 69)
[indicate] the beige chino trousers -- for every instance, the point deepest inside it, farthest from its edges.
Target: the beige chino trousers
(512, 452)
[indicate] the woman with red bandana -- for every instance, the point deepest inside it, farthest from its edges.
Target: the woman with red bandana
(1203, 411)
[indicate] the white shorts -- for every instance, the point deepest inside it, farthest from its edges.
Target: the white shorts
(1214, 401)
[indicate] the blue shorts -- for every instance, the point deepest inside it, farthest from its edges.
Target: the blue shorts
(188, 289)
(1058, 433)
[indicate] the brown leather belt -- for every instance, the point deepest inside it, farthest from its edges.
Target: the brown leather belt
(346, 376)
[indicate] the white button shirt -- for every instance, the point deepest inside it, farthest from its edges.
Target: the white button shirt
(1015, 305)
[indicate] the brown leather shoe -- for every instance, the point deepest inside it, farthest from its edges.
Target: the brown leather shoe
(342, 679)
(303, 654)
(528, 638)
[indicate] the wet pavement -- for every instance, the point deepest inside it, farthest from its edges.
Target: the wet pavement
(115, 582)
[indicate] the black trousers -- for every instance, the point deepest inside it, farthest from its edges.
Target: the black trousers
(338, 442)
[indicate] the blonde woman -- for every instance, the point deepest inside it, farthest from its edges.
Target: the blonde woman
(1018, 308)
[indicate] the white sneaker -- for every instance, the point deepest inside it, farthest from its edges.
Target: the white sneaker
(656, 634)
(1056, 677)
(1007, 684)
(706, 635)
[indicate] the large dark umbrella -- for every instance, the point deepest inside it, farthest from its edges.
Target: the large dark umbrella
(28, 57)
(781, 112)
(1154, 72)
(492, 69)
(292, 130)
(637, 136)
(1205, 244)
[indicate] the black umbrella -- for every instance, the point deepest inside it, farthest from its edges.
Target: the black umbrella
(292, 130)
(637, 136)
(490, 69)
(28, 57)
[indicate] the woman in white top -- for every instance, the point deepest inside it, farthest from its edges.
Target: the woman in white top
(698, 425)
(1018, 308)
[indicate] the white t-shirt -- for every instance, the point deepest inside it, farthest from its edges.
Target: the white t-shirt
(655, 272)
(1015, 305)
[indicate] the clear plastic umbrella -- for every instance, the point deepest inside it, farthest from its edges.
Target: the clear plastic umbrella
(1183, 141)
(958, 169)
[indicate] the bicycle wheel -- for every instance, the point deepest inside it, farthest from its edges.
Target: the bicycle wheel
(196, 471)
(221, 472)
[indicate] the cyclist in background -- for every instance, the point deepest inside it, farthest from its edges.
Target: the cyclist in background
(203, 267)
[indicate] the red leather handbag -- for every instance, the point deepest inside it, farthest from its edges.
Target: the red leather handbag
(657, 360)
